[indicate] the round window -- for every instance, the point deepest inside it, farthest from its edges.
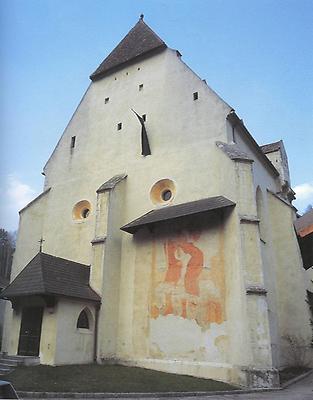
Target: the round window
(166, 195)
(81, 210)
(162, 191)
(85, 212)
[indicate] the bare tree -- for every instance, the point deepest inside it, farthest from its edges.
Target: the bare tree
(7, 247)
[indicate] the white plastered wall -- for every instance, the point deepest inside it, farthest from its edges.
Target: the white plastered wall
(292, 309)
(74, 345)
(27, 246)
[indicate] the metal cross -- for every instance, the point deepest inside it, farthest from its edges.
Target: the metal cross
(41, 242)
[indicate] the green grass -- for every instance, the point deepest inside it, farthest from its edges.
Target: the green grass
(106, 378)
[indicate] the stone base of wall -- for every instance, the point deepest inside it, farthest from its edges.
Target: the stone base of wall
(262, 378)
(233, 374)
(216, 371)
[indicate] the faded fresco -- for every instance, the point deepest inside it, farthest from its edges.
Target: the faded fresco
(187, 304)
(189, 286)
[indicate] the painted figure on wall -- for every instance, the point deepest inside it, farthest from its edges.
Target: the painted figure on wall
(185, 286)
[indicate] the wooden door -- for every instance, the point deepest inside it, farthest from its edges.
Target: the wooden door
(30, 331)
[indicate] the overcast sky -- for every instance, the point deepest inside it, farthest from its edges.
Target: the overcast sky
(256, 54)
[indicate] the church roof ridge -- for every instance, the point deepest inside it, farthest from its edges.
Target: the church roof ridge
(139, 41)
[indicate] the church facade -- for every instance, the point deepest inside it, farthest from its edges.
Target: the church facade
(167, 232)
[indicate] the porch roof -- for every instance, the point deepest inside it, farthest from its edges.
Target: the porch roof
(171, 213)
(49, 275)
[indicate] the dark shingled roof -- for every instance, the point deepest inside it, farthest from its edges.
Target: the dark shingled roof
(174, 212)
(268, 148)
(50, 275)
(139, 41)
(233, 151)
(111, 183)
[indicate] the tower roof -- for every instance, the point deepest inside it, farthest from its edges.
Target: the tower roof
(270, 147)
(139, 41)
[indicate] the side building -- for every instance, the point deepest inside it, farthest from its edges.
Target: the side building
(167, 232)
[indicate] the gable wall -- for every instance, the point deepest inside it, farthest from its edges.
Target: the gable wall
(181, 132)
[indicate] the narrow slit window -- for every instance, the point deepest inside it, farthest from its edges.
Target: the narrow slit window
(106, 100)
(195, 96)
(144, 117)
(119, 126)
(140, 87)
(73, 140)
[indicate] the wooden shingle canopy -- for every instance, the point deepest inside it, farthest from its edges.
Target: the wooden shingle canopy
(172, 213)
(53, 276)
(140, 41)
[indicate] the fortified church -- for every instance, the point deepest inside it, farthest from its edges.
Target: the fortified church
(166, 231)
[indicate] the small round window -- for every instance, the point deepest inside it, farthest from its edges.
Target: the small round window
(166, 195)
(81, 210)
(162, 191)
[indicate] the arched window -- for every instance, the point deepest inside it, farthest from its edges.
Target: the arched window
(83, 320)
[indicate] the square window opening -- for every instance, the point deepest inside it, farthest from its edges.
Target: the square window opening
(106, 100)
(195, 96)
(119, 126)
(140, 87)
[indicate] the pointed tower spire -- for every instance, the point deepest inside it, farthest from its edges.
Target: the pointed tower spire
(140, 41)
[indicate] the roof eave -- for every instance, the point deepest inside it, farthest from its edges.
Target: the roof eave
(233, 118)
(134, 228)
(142, 221)
(95, 76)
(11, 297)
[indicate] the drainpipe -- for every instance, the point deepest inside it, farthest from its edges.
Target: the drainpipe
(95, 345)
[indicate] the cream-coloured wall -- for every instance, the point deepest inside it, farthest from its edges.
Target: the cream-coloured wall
(48, 328)
(48, 338)
(185, 320)
(60, 342)
(130, 271)
(27, 246)
(73, 345)
(308, 277)
(11, 330)
(111, 267)
(31, 225)
(180, 131)
(263, 180)
(292, 310)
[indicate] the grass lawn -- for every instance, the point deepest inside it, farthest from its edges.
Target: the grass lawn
(106, 378)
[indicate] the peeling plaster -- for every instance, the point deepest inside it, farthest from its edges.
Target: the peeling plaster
(184, 285)
(187, 297)
(175, 336)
